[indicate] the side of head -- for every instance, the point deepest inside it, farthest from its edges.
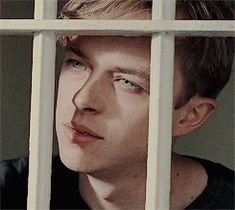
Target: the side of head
(204, 63)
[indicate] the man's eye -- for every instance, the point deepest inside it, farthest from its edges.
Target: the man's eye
(76, 64)
(128, 84)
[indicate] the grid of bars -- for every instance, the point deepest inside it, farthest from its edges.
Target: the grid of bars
(163, 28)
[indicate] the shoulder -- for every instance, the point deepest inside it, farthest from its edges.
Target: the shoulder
(13, 181)
(14, 185)
(13, 170)
(14, 166)
(219, 192)
(216, 170)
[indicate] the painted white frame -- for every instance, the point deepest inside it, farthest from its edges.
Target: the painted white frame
(42, 109)
(120, 27)
(163, 28)
(160, 111)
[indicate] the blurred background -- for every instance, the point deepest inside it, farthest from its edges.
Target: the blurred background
(214, 141)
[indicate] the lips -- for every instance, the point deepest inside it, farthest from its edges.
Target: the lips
(80, 134)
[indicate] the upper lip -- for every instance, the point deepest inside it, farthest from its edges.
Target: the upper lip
(83, 129)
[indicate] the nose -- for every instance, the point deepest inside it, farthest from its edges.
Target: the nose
(89, 98)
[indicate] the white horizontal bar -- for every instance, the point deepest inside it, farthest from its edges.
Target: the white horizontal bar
(120, 27)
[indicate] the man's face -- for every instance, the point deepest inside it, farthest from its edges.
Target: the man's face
(103, 100)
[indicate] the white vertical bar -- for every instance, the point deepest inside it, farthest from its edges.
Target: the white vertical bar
(42, 109)
(160, 111)
(45, 9)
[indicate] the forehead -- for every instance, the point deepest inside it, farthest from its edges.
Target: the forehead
(113, 43)
(113, 46)
(116, 49)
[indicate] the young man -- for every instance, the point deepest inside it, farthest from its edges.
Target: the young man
(102, 114)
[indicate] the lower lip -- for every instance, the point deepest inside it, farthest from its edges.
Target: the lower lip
(80, 138)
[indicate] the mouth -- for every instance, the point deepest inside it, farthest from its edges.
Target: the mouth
(80, 134)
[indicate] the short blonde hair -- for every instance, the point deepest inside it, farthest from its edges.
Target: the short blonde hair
(103, 9)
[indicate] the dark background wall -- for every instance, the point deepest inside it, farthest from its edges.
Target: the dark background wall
(213, 141)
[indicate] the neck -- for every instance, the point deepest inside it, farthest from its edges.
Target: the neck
(114, 190)
(126, 190)
(188, 180)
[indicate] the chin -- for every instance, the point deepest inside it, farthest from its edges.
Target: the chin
(71, 161)
(77, 163)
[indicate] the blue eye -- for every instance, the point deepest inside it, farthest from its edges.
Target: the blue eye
(127, 83)
(76, 64)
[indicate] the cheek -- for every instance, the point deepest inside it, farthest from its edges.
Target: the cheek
(133, 121)
(65, 106)
(138, 137)
(64, 96)
(135, 110)
(70, 83)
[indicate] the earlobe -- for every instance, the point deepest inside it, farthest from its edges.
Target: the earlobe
(193, 115)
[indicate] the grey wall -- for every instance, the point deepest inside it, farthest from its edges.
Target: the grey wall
(15, 74)
(15, 95)
(213, 141)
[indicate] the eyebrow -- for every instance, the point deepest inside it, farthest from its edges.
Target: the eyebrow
(134, 71)
(137, 72)
(76, 51)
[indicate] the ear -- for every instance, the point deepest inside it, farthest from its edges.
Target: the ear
(192, 115)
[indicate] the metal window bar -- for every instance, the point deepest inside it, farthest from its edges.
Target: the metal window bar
(163, 31)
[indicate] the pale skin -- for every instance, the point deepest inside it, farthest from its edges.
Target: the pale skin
(105, 86)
